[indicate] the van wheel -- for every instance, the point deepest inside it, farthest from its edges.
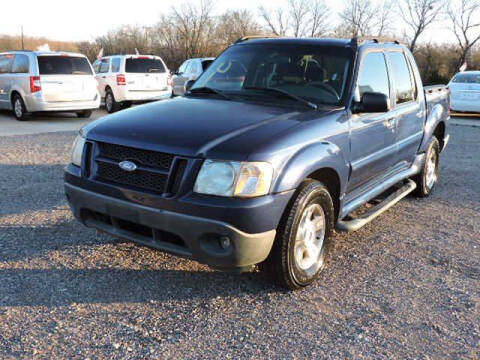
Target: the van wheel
(85, 114)
(111, 105)
(428, 177)
(19, 109)
(303, 239)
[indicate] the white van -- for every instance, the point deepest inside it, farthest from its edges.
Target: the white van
(34, 81)
(126, 79)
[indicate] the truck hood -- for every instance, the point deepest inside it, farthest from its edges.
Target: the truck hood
(195, 127)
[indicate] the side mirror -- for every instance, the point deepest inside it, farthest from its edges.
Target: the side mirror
(189, 84)
(372, 102)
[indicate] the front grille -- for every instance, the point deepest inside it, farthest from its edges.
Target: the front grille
(140, 178)
(152, 173)
(140, 157)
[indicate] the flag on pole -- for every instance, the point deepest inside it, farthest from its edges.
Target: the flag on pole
(463, 67)
(100, 54)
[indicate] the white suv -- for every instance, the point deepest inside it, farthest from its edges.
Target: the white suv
(126, 79)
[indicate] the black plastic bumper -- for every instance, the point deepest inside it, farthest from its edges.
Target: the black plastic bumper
(208, 241)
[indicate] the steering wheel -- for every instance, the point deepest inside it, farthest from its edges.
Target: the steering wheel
(326, 87)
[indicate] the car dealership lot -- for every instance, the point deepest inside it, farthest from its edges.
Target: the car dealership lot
(404, 286)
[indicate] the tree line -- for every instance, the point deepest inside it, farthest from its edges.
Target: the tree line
(194, 29)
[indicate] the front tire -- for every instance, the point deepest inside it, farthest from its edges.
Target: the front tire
(19, 109)
(428, 177)
(303, 238)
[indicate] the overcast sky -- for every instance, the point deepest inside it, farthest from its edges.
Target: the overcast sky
(87, 19)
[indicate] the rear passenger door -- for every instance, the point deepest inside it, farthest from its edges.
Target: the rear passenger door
(102, 76)
(5, 80)
(409, 107)
(372, 135)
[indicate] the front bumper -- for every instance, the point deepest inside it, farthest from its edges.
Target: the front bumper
(465, 105)
(189, 236)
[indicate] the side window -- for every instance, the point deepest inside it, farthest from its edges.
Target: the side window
(96, 66)
(20, 64)
(5, 63)
(105, 64)
(188, 68)
(374, 74)
(183, 67)
(194, 67)
(404, 87)
(116, 65)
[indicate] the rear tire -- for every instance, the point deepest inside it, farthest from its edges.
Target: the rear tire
(85, 114)
(19, 109)
(303, 238)
(428, 177)
(111, 105)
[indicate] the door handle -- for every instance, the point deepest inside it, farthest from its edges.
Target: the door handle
(390, 123)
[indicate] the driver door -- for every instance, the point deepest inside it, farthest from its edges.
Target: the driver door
(372, 135)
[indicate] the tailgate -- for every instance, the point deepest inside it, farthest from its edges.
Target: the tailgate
(68, 87)
(146, 82)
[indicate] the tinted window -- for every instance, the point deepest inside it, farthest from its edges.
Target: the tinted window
(5, 63)
(104, 65)
(467, 78)
(144, 65)
(96, 66)
(374, 75)
(404, 88)
(318, 74)
(194, 69)
(20, 64)
(206, 64)
(116, 65)
(183, 67)
(63, 65)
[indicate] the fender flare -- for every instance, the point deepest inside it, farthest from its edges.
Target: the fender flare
(309, 159)
(435, 117)
(17, 89)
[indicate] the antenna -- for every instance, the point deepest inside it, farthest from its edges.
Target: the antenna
(23, 46)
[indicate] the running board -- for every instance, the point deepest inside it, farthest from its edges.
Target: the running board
(369, 215)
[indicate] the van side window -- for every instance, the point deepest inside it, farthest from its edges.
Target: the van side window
(183, 67)
(374, 74)
(5, 63)
(96, 66)
(104, 66)
(116, 65)
(404, 87)
(20, 64)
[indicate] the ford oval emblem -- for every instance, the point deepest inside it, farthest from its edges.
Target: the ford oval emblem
(128, 166)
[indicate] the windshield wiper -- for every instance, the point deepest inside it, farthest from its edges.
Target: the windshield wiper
(208, 90)
(284, 93)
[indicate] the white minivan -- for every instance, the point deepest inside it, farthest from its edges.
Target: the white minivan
(35, 81)
(126, 79)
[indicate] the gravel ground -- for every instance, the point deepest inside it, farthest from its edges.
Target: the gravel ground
(404, 286)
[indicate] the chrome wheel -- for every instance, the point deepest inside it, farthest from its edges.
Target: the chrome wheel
(309, 249)
(109, 102)
(18, 108)
(431, 169)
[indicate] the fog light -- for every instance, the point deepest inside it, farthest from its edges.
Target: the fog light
(225, 242)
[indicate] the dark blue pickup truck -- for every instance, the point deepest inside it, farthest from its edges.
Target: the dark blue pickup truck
(277, 144)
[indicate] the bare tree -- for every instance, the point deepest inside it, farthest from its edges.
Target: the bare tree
(465, 24)
(234, 24)
(358, 17)
(418, 15)
(319, 23)
(276, 20)
(384, 18)
(298, 10)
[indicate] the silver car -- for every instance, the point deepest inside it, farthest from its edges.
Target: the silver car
(47, 81)
(191, 69)
(465, 92)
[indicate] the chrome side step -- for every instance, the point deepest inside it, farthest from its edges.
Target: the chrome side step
(356, 223)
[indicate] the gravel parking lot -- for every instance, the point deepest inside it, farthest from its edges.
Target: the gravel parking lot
(405, 286)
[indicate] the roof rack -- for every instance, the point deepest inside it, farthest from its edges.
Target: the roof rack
(355, 41)
(253, 37)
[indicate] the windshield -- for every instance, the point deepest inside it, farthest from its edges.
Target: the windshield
(317, 74)
(466, 78)
(63, 65)
(144, 65)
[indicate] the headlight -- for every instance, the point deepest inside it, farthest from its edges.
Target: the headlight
(77, 150)
(231, 178)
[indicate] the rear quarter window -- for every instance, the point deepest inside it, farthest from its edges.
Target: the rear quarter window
(404, 86)
(63, 65)
(21, 64)
(144, 65)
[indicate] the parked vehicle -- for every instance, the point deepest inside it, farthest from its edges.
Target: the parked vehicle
(127, 79)
(190, 70)
(277, 143)
(34, 81)
(465, 92)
